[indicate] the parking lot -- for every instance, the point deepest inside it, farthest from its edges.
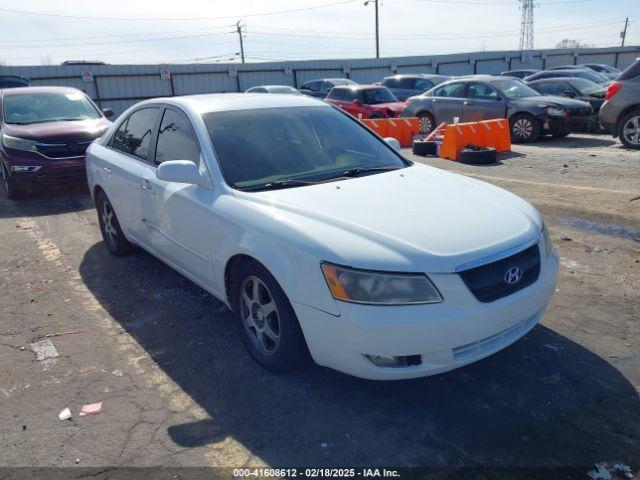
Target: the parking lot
(179, 389)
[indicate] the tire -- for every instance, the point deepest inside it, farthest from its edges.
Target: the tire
(426, 123)
(560, 133)
(9, 184)
(112, 235)
(629, 129)
(423, 148)
(478, 157)
(524, 128)
(265, 319)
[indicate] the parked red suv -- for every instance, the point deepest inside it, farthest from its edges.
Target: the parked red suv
(366, 101)
(44, 134)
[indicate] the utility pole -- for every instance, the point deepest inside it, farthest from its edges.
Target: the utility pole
(623, 34)
(239, 30)
(375, 2)
(526, 24)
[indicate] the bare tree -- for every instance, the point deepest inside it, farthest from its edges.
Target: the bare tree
(568, 43)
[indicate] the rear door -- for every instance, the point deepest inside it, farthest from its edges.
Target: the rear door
(178, 214)
(483, 103)
(447, 102)
(126, 166)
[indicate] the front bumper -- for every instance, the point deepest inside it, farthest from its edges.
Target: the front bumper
(444, 336)
(50, 173)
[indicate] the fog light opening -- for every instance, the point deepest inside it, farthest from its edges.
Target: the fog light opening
(25, 168)
(390, 361)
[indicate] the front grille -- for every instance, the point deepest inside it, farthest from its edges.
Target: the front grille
(66, 149)
(488, 282)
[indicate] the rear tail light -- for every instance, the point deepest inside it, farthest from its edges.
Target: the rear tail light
(612, 90)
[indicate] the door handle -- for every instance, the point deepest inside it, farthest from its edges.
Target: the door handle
(146, 186)
(108, 170)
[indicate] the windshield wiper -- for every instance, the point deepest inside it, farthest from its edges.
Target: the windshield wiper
(284, 183)
(354, 172)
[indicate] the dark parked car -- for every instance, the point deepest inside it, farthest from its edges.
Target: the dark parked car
(578, 88)
(45, 132)
(606, 70)
(320, 88)
(620, 113)
(282, 89)
(407, 85)
(570, 72)
(13, 81)
(484, 97)
(519, 73)
(366, 101)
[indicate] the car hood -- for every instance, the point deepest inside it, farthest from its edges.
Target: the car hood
(59, 131)
(550, 100)
(416, 219)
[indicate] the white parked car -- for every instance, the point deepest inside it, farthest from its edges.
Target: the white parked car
(321, 238)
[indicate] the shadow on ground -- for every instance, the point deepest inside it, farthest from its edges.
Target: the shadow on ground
(574, 141)
(545, 401)
(71, 198)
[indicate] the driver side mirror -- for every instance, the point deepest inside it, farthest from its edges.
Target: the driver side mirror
(180, 171)
(393, 143)
(357, 102)
(107, 112)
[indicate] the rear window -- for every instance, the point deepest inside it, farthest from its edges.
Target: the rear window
(632, 71)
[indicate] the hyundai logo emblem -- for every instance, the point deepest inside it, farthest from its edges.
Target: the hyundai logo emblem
(513, 275)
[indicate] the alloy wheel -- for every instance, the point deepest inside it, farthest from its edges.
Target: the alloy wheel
(108, 222)
(424, 124)
(631, 130)
(260, 316)
(522, 128)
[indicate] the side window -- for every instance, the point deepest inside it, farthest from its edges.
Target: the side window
(118, 137)
(137, 136)
(336, 94)
(482, 91)
(309, 86)
(325, 86)
(423, 85)
(176, 140)
(455, 90)
(407, 83)
(350, 95)
(551, 88)
(391, 82)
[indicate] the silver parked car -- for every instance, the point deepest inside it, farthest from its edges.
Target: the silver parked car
(620, 113)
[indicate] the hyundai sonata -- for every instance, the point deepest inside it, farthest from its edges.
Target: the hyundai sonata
(322, 239)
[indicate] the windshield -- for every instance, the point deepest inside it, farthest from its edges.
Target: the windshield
(590, 75)
(284, 89)
(27, 108)
(378, 95)
(513, 89)
(586, 87)
(259, 146)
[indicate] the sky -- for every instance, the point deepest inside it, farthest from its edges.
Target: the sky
(35, 32)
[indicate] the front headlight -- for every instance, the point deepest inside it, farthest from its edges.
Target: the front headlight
(379, 288)
(19, 143)
(547, 240)
(556, 112)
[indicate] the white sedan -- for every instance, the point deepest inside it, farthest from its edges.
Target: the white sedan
(320, 237)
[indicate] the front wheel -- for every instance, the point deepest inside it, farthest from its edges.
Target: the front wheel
(10, 188)
(112, 234)
(426, 123)
(524, 128)
(266, 321)
(629, 130)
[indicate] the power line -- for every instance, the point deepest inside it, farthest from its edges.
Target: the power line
(173, 19)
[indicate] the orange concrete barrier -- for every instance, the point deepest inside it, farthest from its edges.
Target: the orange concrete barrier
(489, 133)
(402, 129)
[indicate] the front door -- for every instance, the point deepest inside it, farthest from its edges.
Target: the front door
(178, 215)
(483, 103)
(447, 102)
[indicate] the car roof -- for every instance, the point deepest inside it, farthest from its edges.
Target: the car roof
(415, 75)
(19, 90)
(555, 79)
(360, 87)
(221, 102)
(272, 86)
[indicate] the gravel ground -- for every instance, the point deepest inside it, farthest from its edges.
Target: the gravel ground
(179, 390)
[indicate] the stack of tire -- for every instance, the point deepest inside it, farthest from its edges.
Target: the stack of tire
(471, 154)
